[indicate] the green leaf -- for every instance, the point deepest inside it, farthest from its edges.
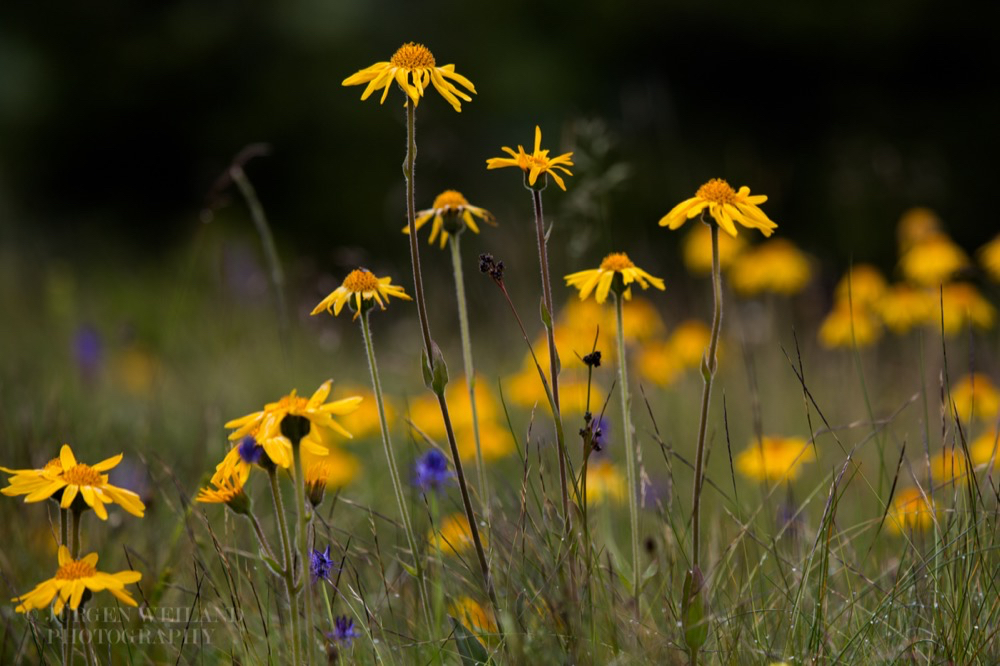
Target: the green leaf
(473, 652)
(546, 315)
(694, 609)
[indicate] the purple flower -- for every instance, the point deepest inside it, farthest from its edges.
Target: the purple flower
(250, 451)
(87, 350)
(432, 471)
(344, 631)
(320, 564)
(602, 428)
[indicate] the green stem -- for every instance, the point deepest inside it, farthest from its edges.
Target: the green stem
(261, 537)
(63, 528)
(305, 517)
(77, 537)
(470, 373)
(633, 482)
(287, 565)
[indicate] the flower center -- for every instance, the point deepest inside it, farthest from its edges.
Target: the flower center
(450, 199)
(75, 570)
(616, 261)
(412, 56)
(360, 280)
(83, 475)
(54, 464)
(717, 191)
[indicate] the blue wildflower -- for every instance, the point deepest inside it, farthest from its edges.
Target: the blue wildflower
(250, 451)
(320, 564)
(602, 427)
(432, 471)
(344, 631)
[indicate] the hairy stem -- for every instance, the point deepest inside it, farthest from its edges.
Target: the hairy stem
(633, 481)
(287, 565)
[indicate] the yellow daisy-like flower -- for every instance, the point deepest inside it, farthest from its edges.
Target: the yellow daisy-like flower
(616, 263)
(949, 464)
(467, 611)
(72, 480)
(413, 67)
(911, 510)
(903, 308)
(775, 266)
(359, 287)
(774, 458)
(863, 285)
(962, 305)
(976, 397)
(985, 448)
(227, 490)
(989, 257)
(73, 578)
(454, 536)
(933, 261)
(836, 330)
(658, 363)
(725, 205)
(689, 341)
(697, 249)
(450, 206)
(535, 164)
(605, 483)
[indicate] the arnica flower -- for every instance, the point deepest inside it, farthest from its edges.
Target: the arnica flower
(910, 511)
(431, 471)
(471, 614)
(989, 257)
(425, 413)
(320, 564)
(72, 580)
(775, 266)
(343, 632)
(615, 264)
(72, 480)
(27, 481)
(933, 261)
(536, 164)
(903, 308)
(454, 536)
(949, 464)
(916, 225)
(984, 449)
(962, 305)
(451, 213)
(605, 483)
(318, 475)
(697, 250)
(976, 398)
(657, 363)
(689, 341)
(838, 326)
(364, 421)
(725, 205)
(361, 289)
(339, 466)
(227, 490)
(413, 67)
(863, 285)
(251, 450)
(774, 458)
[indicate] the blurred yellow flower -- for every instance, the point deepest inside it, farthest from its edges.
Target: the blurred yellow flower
(657, 362)
(452, 206)
(989, 257)
(641, 318)
(425, 413)
(776, 266)
(916, 225)
(962, 306)
(72, 580)
(985, 448)
(227, 490)
(910, 511)
(949, 464)
(536, 164)
(27, 481)
(472, 615)
(601, 278)
(454, 536)
(903, 307)
(605, 483)
(363, 421)
(689, 341)
(360, 288)
(135, 370)
(933, 261)
(338, 466)
(774, 458)
(413, 67)
(494, 441)
(725, 205)
(524, 389)
(864, 285)
(836, 329)
(697, 250)
(976, 397)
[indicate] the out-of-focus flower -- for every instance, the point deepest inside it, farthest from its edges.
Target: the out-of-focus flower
(363, 421)
(910, 511)
(948, 465)
(862, 285)
(344, 631)
(135, 369)
(524, 389)
(985, 448)
(431, 471)
(976, 397)
(725, 205)
(845, 327)
(616, 265)
(697, 249)
(962, 305)
(454, 536)
(903, 308)
(605, 483)
(72, 580)
(915, 226)
(467, 611)
(989, 257)
(425, 413)
(88, 351)
(451, 207)
(776, 266)
(657, 362)
(361, 289)
(536, 164)
(339, 466)
(774, 458)
(494, 440)
(689, 341)
(933, 261)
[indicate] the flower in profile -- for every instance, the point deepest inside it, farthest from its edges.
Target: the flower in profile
(431, 471)
(903, 308)
(318, 475)
(27, 481)
(344, 631)
(605, 483)
(725, 205)
(615, 264)
(451, 213)
(933, 261)
(454, 536)
(697, 250)
(976, 397)
(536, 164)
(320, 564)
(774, 458)
(361, 289)
(72, 580)
(776, 266)
(413, 67)
(962, 305)
(862, 285)
(73, 479)
(911, 510)
(337, 465)
(467, 611)
(989, 257)
(845, 326)
(227, 490)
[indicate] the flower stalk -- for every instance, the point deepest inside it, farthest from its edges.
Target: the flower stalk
(295, 428)
(287, 566)
(630, 462)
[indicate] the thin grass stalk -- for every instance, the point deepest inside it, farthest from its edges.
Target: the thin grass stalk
(633, 486)
(287, 565)
(305, 518)
(470, 372)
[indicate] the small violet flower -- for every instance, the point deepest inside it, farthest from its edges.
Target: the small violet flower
(432, 471)
(320, 564)
(343, 632)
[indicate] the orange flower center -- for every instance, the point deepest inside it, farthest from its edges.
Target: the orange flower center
(360, 280)
(450, 199)
(717, 191)
(294, 404)
(83, 475)
(616, 261)
(54, 464)
(412, 56)
(74, 570)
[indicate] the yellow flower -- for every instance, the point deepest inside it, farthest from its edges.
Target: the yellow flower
(989, 257)
(697, 248)
(454, 536)
(535, 164)
(984, 449)
(933, 261)
(73, 578)
(74, 480)
(976, 397)
(949, 464)
(725, 205)
(962, 305)
(774, 458)
(774, 266)
(916, 225)
(339, 467)
(450, 205)
(525, 390)
(412, 66)
(658, 363)
(425, 413)
(836, 329)
(494, 441)
(616, 263)
(364, 420)
(862, 285)
(228, 490)
(358, 287)
(605, 483)
(904, 307)
(689, 341)
(911, 510)
(471, 614)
